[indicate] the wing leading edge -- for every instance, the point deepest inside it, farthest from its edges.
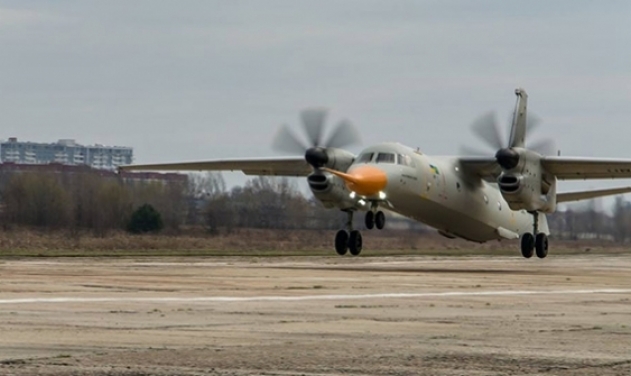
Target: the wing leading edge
(564, 168)
(586, 195)
(294, 166)
(576, 168)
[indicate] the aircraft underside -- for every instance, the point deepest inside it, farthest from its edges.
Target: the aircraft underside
(443, 218)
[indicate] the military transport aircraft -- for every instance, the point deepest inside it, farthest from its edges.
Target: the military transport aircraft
(477, 198)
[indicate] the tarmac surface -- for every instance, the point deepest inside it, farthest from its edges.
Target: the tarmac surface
(316, 316)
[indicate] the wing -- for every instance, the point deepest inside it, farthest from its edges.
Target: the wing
(296, 166)
(566, 168)
(584, 195)
(484, 167)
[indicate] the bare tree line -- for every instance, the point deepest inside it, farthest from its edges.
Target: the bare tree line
(263, 202)
(592, 222)
(84, 201)
(100, 204)
(80, 201)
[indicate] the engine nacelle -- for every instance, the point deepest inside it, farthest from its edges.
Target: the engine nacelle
(510, 185)
(331, 190)
(528, 192)
(522, 185)
(520, 192)
(339, 159)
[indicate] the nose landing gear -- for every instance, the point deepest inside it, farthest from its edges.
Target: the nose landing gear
(369, 220)
(375, 218)
(380, 220)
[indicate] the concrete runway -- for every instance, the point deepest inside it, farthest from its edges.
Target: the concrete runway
(317, 315)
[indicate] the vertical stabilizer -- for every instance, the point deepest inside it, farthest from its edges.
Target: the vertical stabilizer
(518, 128)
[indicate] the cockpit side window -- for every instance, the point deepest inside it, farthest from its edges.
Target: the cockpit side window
(385, 158)
(365, 158)
(406, 160)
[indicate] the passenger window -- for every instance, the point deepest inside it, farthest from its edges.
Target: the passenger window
(365, 158)
(385, 158)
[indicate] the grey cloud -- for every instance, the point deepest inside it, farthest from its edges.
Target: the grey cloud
(209, 79)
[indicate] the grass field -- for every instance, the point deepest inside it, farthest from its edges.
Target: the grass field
(265, 243)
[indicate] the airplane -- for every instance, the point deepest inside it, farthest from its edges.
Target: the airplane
(478, 198)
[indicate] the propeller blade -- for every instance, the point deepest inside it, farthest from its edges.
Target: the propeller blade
(532, 122)
(313, 122)
(467, 151)
(345, 134)
(285, 141)
(544, 147)
(488, 130)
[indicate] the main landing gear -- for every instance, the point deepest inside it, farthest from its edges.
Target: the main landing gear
(349, 240)
(537, 243)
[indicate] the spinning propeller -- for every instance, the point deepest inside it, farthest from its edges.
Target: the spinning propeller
(315, 149)
(487, 129)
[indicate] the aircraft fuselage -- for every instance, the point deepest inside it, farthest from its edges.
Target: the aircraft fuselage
(437, 192)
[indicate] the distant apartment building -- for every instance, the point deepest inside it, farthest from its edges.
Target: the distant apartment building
(7, 169)
(65, 152)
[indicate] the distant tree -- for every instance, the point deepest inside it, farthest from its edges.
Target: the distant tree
(36, 200)
(201, 190)
(114, 207)
(145, 219)
(219, 213)
(209, 184)
(167, 198)
(622, 220)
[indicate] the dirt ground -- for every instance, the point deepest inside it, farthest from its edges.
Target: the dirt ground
(316, 316)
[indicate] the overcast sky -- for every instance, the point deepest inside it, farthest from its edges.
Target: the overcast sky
(198, 80)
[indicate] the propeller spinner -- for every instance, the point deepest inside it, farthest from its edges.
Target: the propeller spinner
(315, 150)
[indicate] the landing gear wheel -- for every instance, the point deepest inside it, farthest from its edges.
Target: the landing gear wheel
(527, 245)
(380, 220)
(355, 242)
(370, 220)
(341, 242)
(541, 245)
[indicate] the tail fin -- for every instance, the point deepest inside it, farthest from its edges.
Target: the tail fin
(518, 128)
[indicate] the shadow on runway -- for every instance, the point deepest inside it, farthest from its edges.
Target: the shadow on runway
(417, 270)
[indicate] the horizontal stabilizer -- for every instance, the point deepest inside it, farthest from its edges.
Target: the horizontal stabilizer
(585, 195)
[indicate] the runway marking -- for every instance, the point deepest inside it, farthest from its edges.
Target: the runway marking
(224, 299)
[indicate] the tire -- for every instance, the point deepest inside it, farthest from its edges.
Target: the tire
(527, 245)
(355, 243)
(380, 220)
(369, 220)
(341, 242)
(541, 245)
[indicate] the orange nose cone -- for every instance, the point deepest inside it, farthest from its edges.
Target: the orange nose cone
(364, 180)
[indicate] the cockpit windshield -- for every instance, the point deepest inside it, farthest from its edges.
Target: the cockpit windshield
(365, 158)
(406, 160)
(385, 158)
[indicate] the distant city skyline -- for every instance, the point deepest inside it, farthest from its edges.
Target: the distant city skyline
(65, 151)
